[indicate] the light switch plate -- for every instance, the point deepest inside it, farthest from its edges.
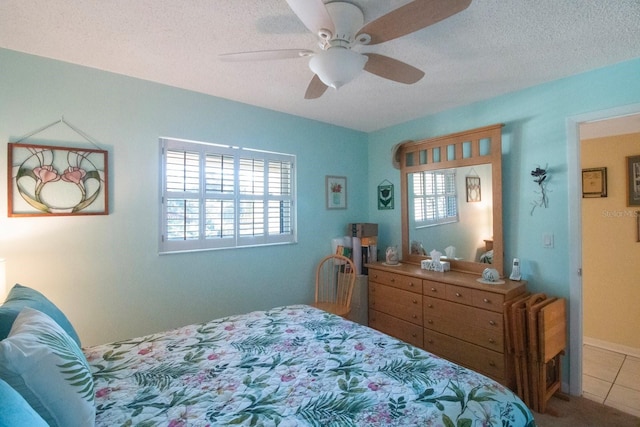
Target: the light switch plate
(547, 240)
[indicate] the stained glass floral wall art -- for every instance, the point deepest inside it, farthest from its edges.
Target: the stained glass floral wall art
(49, 181)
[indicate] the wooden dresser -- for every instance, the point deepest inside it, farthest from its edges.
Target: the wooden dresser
(449, 314)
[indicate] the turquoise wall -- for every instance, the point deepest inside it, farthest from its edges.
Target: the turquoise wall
(104, 271)
(534, 134)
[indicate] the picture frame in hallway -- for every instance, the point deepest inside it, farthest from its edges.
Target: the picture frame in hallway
(633, 180)
(594, 182)
(336, 192)
(57, 181)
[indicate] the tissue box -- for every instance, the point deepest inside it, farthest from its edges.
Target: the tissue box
(427, 264)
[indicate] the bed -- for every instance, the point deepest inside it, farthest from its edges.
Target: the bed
(288, 366)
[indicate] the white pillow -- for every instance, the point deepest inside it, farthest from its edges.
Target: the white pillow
(43, 363)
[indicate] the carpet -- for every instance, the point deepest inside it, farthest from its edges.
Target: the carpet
(581, 412)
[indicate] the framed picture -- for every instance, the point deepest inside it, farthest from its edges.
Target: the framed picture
(633, 186)
(385, 195)
(473, 189)
(336, 192)
(594, 182)
(54, 181)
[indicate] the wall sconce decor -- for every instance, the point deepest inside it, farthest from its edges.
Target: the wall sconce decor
(540, 177)
(385, 195)
(594, 182)
(473, 189)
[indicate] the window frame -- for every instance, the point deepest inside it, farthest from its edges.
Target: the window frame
(202, 195)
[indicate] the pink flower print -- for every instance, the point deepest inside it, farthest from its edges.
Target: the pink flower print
(287, 377)
(213, 356)
(74, 174)
(46, 174)
(144, 351)
(374, 386)
(229, 328)
(176, 423)
(103, 392)
(359, 346)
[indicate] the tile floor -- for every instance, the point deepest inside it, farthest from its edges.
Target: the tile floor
(611, 378)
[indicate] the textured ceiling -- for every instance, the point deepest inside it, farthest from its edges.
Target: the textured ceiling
(491, 48)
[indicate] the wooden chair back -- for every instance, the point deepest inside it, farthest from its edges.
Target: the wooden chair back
(335, 279)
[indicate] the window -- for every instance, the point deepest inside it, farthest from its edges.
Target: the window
(216, 196)
(435, 198)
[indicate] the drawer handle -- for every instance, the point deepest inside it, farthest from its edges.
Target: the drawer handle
(430, 322)
(415, 316)
(430, 341)
(375, 276)
(393, 280)
(492, 341)
(411, 284)
(433, 290)
(458, 294)
(488, 301)
(430, 306)
(414, 335)
(492, 364)
(415, 301)
(492, 323)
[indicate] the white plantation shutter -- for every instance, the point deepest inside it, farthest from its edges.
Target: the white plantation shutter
(215, 196)
(435, 198)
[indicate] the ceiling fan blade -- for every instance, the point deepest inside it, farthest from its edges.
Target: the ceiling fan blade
(265, 55)
(411, 17)
(392, 69)
(316, 88)
(313, 14)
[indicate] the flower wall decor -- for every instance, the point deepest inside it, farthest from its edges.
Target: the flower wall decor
(540, 178)
(336, 192)
(385, 195)
(47, 181)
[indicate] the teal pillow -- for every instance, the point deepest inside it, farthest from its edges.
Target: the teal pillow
(41, 362)
(15, 411)
(21, 297)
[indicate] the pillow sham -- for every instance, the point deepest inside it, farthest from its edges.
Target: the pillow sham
(42, 363)
(15, 411)
(23, 296)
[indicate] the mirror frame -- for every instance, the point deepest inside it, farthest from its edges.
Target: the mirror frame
(451, 151)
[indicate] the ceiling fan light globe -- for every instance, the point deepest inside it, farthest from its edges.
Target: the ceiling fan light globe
(337, 66)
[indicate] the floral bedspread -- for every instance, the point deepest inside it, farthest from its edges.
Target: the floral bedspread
(289, 366)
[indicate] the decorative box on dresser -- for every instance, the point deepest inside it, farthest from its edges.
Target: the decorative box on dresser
(449, 314)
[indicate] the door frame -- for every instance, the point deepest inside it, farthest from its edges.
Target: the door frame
(575, 235)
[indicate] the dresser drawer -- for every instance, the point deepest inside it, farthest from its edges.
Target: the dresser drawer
(488, 300)
(396, 302)
(399, 281)
(491, 339)
(434, 289)
(463, 314)
(405, 331)
(483, 360)
(459, 294)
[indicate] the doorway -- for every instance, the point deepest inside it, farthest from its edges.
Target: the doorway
(575, 236)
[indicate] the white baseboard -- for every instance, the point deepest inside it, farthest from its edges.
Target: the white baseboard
(618, 348)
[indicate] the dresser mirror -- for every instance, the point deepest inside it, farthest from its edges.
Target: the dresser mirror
(452, 197)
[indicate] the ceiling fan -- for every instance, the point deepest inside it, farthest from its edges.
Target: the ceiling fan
(340, 27)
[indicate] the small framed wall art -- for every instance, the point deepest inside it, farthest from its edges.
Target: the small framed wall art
(473, 189)
(336, 192)
(385, 195)
(633, 185)
(53, 181)
(594, 182)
